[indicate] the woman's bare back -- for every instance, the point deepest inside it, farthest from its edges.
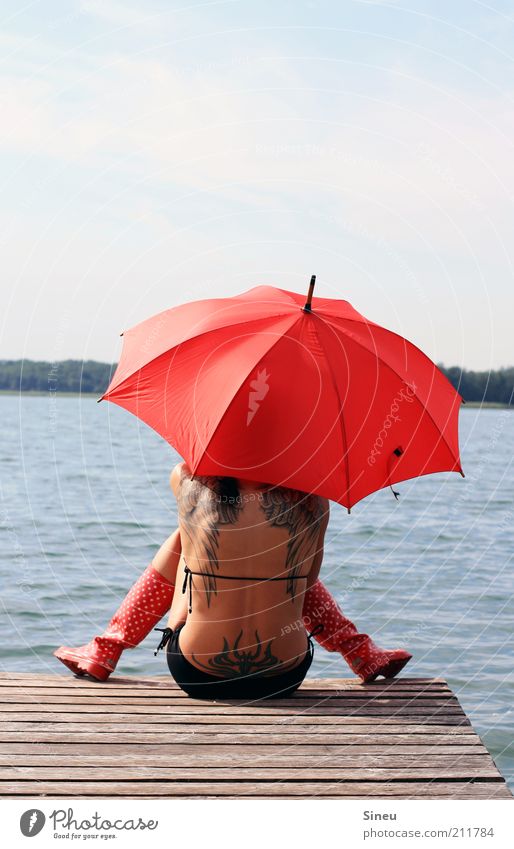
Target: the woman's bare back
(243, 619)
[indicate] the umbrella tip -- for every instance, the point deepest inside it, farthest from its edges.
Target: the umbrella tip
(307, 306)
(99, 399)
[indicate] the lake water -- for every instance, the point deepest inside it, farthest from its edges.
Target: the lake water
(85, 504)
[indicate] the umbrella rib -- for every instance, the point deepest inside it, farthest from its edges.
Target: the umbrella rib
(390, 367)
(341, 419)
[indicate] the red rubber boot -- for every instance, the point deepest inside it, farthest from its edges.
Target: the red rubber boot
(144, 606)
(367, 660)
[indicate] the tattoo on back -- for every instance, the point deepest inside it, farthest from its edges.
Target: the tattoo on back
(234, 661)
(300, 513)
(202, 507)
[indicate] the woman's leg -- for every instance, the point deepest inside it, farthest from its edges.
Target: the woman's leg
(338, 634)
(144, 606)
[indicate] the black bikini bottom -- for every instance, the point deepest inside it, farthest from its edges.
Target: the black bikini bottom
(202, 685)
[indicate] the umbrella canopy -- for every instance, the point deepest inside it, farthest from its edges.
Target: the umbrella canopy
(310, 395)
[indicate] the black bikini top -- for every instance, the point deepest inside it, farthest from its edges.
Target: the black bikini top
(188, 579)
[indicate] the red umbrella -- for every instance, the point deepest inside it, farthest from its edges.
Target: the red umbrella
(310, 395)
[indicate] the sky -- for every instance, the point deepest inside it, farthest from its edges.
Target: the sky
(158, 152)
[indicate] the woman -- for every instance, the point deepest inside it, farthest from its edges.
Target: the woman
(259, 550)
(249, 552)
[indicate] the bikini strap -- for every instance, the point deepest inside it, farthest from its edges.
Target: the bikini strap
(167, 634)
(243, 577)
(188, 577)
(188, 580)
(317, 630)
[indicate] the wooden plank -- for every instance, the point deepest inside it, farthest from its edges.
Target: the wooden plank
(274, 789)
(335, 697)
(340, 749)
(370, 725)
(115, 752)
(155, 680)
(269, 707)
(458, 724)
(158, 681)
(95, 723)
(399, 790)
(307, 735)
(322, 685)
(158, 738)
(493, 791)
(244, 772)
(36, 753)
(210, 755)
(67, 696)
(59, 704)
(62, 706)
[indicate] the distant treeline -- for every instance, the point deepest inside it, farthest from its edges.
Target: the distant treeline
(91, 376)
(62, 376)
(485, 386)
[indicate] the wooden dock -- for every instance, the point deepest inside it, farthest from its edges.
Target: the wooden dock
(72, 737)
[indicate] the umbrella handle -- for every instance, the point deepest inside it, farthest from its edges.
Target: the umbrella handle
(307, 305)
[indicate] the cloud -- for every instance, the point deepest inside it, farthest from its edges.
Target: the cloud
(214, 129)
(235, 156)
(383, 148)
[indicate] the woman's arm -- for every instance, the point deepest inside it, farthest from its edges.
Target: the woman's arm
(167, 558)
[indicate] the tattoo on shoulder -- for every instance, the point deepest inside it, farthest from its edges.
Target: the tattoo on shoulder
(202, 507)
(300, 514)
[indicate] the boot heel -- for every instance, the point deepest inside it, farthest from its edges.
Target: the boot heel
(395, 666)
(94, 669)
